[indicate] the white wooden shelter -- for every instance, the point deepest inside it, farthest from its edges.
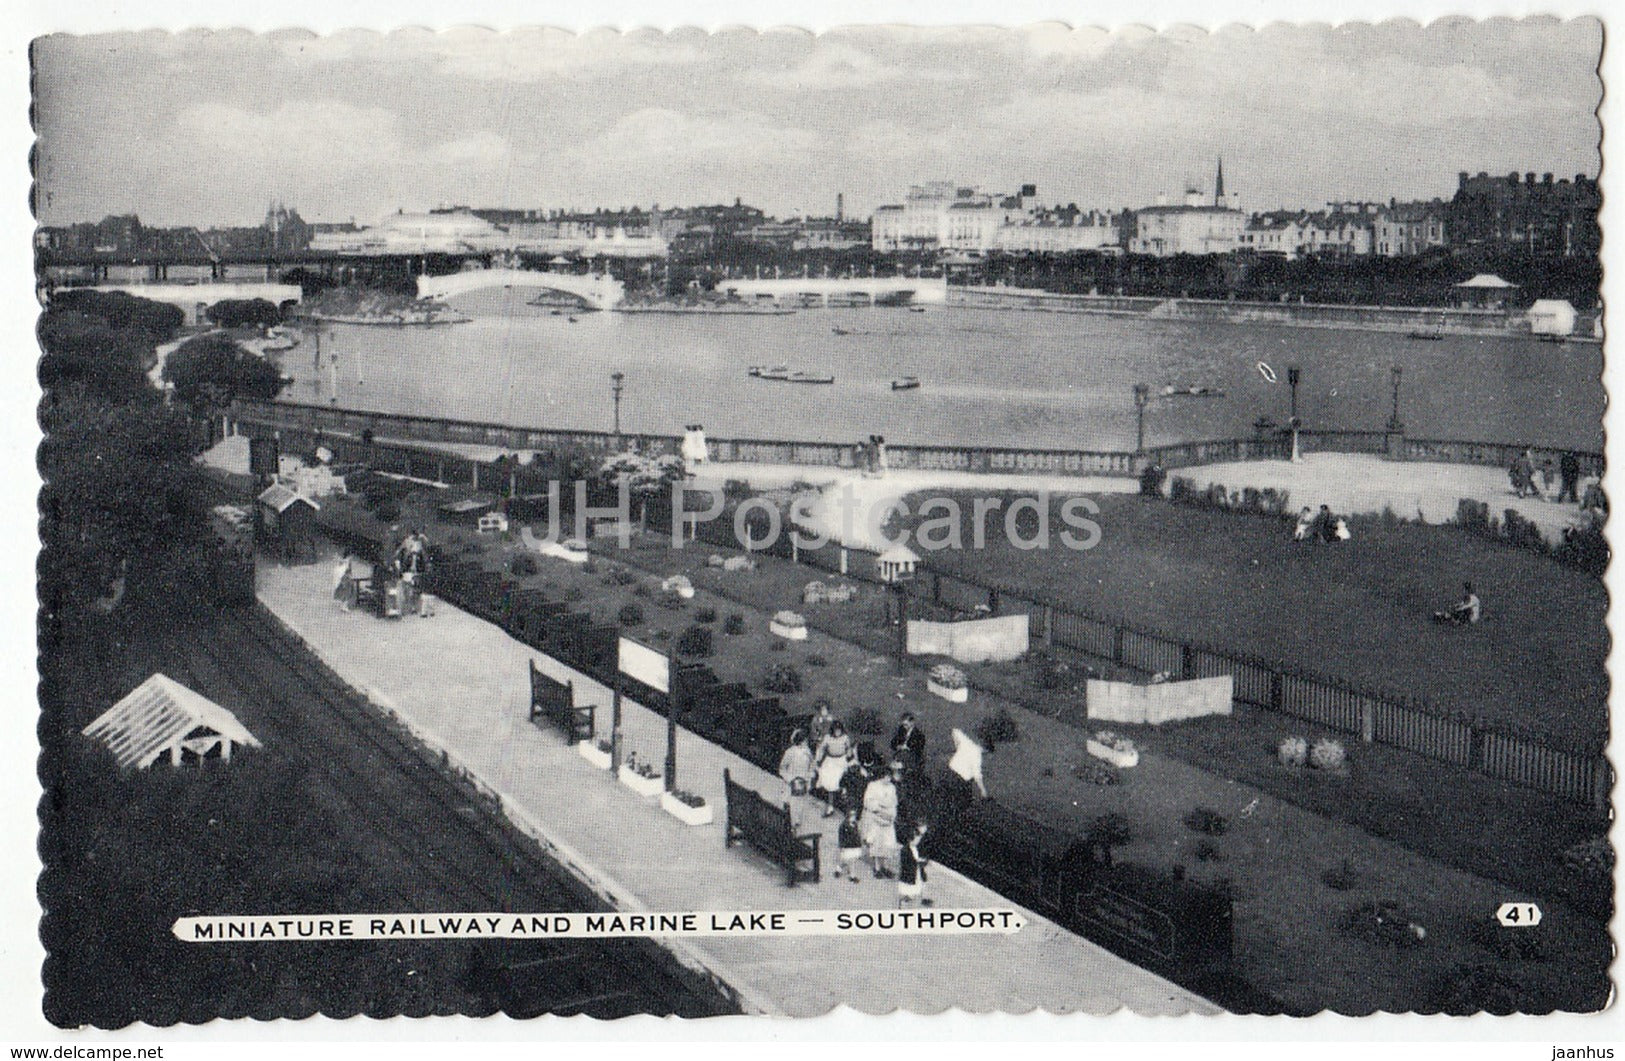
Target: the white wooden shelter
(163, 717)
(1552, 316)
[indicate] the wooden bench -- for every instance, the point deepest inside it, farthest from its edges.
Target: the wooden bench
(555, 701)
(767, 827)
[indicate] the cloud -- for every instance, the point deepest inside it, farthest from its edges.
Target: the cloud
(521, 55)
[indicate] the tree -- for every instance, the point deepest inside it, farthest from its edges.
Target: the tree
(240, 312)
(211, 371)
(645, 478)
(86, 352)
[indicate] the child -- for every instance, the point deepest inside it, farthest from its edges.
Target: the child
(911, 868)
(850, 841)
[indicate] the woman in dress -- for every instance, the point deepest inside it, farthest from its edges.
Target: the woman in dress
(796, 770)
(834, 756)
(880, 824)
(818, 726)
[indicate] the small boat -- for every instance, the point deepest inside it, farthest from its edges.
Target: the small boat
(1540, 338)
(907, 383)
(572, 320)
(807, 377)
(840, 331)
(1431, 337)
(763, 372)
(916, 309)
(1191, 392)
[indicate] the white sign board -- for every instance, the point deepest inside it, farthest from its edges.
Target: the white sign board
(645, 664)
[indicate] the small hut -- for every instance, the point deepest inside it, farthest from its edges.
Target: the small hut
(1552, 316)
(288, 521)
(162, 717)
(1485, 291)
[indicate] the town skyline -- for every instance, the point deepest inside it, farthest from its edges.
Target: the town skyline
(183, 130)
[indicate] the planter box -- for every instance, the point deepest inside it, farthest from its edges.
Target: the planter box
(643, 786)
(789, 633)
(1112, 755)
(701, 815)
(591, 752)
(957, 696)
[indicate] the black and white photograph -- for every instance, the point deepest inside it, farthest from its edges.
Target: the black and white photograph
(732, 522)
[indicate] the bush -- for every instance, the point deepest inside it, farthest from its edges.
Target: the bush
(669, 600)
(865, 722)
(1207, 851)
(1094, 772)
(523, 565)
(1383, 922)
(777, 645)
(622, 577)
(1342, 878)
(705, 615)
(642, 590)
(1293, 751)
(1151, 477)
(1595, 855)
(629, 615)
(1182, 491)
(783, 678)
(695, 641)
(1474, 516)
(1508, 944)
(1058, 675)
(1207, 820)
(1109, 831)
(1520, 532)
(1328, 755)
(734, 625)
(997, 729)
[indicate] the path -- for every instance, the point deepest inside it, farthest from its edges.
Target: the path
(460, 684)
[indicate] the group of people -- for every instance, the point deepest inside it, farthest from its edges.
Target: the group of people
(1559, 482)
(1320, 526)
(872, 456)
(882, 803)
(395, 584)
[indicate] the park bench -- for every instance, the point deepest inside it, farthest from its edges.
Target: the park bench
(555, 701)
(769, 829)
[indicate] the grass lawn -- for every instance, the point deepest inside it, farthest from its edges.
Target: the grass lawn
(1287, 940)
(1358, 610)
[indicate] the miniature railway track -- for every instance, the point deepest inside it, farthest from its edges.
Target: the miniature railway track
(464, 855)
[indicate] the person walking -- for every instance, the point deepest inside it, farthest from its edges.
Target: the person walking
(796, 771)
(833, 757)
(880, 825)
(343, 582)
(849, 839)
(818, 726)
(1568, 468)
(913, 857)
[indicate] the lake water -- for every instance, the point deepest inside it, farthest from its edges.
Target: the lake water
(988, 377)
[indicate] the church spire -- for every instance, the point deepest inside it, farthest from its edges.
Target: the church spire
(1218, 185)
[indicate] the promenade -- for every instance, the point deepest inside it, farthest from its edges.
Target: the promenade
(461, 685)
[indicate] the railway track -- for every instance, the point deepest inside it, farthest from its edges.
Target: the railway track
(454, 842)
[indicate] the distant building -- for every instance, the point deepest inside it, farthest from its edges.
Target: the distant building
(1301, 234)
(454, 232)
(1544, 218)
(1196, 226)
(941, 216)
(1402, 229)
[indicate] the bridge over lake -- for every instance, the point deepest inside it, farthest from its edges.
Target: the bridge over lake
(824, 290)
(598, 290)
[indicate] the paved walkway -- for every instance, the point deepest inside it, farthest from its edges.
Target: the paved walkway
(461, 685)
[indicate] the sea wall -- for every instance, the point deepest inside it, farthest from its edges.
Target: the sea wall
(1429, 319)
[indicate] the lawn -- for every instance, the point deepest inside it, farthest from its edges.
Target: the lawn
(1287, 942)
(1358, 610)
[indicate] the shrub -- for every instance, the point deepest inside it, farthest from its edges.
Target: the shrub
(1059, 675)
(1207, 851)
(1151, 477)
(523, 565)
(622, 577)
(1595, 855)
(661, 635)
(948, 676)
(1328, 755)
(1473, 516)
(997, 729)
(705, 615)
(590, 565)
(777, 646)
(1507, 944)
(669, 600)
(1521, 532)
(642, 590)
(783, 678)
(1342, 878)
(1109, 831)
(734, 625)
(865, 722)
(1383, 922)
(688, 799)
(1207, 820)
(1181, 491)
(1293, 751)
(695, 641)
(629, 615)
(1094, 772)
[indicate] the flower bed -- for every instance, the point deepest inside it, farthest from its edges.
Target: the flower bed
(642, 778)
(596, 754)
(789, 625)
(687, 808)
(678, 585)
(1113, 748)
(948, 682)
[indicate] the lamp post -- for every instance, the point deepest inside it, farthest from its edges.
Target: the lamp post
(1293, 375)
(617, 384)
(1395, 426)
(1142, 398)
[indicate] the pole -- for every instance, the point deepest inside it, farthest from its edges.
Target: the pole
(1142, 397)
(671, 721)
(615, 715)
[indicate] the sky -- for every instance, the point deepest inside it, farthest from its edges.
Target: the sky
(209, 128)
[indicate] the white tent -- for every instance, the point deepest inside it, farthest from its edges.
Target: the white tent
(1487, 281)
(162, 716)
(1552, 316)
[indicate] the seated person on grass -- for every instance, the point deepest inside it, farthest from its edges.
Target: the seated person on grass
(1466, 613)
